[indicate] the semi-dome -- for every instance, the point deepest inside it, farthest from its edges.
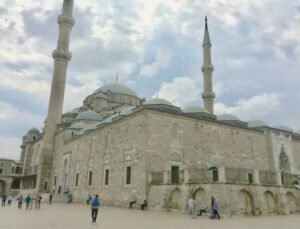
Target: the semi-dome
(227, 117)
(256, 123)
(282, 127)
(158, 101)
(89, 115)
(195, 110)
(117, 89)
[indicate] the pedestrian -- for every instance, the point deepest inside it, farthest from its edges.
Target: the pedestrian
(27, 201)
(70, 198)
(36, 202)
(20, 202)
(214, 207)
(203, 209)
(4, 197)
(132, 201)
(89, 199)
(94, 207)
(50, 198)
(9, 200)
(144, 205)
(191, 206)
(39, 200)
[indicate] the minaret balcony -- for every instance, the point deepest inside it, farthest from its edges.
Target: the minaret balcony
(61, 56)
(208, 95)
(208, 68)
(65, 21)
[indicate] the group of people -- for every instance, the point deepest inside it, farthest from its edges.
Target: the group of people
(214, 208)
(134, 201)
(29, 201)
(8, 199)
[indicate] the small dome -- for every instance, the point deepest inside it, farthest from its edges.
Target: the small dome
(282, 127)
(158, 101)
(80, 126)
(110, 118)
(256, 123)
(89, 115)
(116, 89)
(227, 117)
(34, 130)
(195, 110)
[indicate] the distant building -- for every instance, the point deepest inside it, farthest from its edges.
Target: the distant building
(118, 146)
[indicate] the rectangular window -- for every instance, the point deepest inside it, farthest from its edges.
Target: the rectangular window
(175, 174)
(46, 185)
(90, 178)
(76, 180)
(1, 171)
(54, 184)
(250, 178)
(106, 176)
(128, 175)
(215, 174)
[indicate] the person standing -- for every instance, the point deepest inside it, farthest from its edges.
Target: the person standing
(9, 200)
(89, 199)
(4, 200)
(20, 201)
(50, 198)
(191, 206)
(214, 207)
(94, 207)
(28, 201)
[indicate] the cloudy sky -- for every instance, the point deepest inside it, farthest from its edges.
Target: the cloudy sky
(155, 46)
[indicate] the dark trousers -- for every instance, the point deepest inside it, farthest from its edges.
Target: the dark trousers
(215, 214)
(131, 203)
(19, 204)
(94, 214)
(3, 203)
(202, 211)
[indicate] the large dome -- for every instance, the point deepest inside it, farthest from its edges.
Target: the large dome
(158, 101)
(117, 89)
(89, 115)
(227, 117)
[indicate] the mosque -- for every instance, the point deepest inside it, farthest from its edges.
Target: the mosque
(121, 146)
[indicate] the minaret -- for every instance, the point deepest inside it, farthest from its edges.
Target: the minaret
(208, 95)
(61, 57)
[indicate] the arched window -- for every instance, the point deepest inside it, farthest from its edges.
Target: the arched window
(18, 170)
(175, 157)
(284, 164)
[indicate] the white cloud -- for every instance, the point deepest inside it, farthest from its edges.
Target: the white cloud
(182, 91)
(259, 106)
(162, 60)
(10, 147)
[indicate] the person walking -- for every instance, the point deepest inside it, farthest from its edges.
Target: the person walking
(89, 199)
(203, 209)
(39, 201)
(36, 202)
(9, 200)
(94, 207)
(3, 200)
(28, 201)
(20, 202)
(50, 199)
(214, 208)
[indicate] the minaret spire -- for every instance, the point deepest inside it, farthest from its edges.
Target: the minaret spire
(61, 56)
(208, 95)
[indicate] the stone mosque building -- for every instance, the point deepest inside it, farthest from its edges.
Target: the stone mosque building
(120, 146)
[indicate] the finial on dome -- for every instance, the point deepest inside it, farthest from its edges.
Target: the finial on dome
(117, 79)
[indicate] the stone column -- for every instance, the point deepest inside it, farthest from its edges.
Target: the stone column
(222, 178)
(256, 176)
(278, 178)
(186, 175)
(166, 177)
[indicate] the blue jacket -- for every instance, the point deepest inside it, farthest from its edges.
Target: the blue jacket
(96, 203)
